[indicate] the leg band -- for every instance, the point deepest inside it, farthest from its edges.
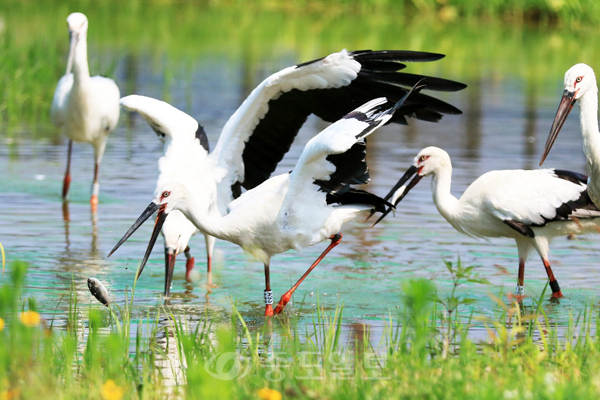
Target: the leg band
(554, 286)
(519, 291)
(268, 297)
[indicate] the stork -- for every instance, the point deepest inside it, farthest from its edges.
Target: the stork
(580, 84)
(85, 108)
(261, 131)
(530, 206)
(293, 210)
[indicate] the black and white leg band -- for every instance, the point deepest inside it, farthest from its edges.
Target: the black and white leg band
(554, 286)
(268, 297)
(519, 291)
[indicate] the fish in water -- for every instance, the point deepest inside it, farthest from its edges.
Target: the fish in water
(99, 291)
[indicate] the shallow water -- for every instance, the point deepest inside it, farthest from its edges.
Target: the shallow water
(503, 126)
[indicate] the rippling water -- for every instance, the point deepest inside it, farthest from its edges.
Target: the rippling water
(502, 127)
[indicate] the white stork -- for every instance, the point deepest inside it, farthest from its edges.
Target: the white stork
(530, 206)
(580, 84)
(293, 210)
(85, 108)
(261, 131)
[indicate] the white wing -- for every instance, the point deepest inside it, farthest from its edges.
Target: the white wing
(167, 121)
(317, 165)
(107, 91)
(261, 131)
(59, 102)
(528, 197)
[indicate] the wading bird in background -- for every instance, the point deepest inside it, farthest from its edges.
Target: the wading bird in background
(261, 131)
(293, 210)
(85, 108)
(530, 206)
(580, 84)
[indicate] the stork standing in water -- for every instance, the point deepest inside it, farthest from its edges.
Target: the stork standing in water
(85, 108)
(185, 160)
(261, 131)
(580, 85)
(293, 210)
(531, 207)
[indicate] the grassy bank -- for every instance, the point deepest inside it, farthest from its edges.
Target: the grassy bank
(170, 39)
(425, 352)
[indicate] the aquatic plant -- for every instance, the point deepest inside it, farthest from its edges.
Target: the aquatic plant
(94, 354)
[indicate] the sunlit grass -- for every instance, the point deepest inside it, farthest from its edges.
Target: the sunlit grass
(103, 353)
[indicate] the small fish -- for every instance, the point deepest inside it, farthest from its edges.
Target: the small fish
(99, 291)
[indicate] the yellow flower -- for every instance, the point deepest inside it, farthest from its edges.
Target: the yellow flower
(2, 324)
(269, 394)
(110, 391)
(10, 394)
(30, 318)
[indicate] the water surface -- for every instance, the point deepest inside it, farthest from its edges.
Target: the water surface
(507, 108)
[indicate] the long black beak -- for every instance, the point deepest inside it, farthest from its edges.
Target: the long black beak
(160, 220)
(564, 108)
(169, 268)
(400, 189)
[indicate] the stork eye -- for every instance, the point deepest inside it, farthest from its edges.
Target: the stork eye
(423, 158)
(166, 194)
(578, 79)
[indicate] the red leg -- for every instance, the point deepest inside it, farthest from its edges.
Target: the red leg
(556, 293)
(189, 264)
(268, 293)
(335, 240)
(95, 189)
(520, 290)
(67, 180)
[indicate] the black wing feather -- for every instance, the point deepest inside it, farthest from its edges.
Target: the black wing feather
(350, 169)
(564, 211)
(520, 227)
(275, 133)
(201, 136)
(356, 196)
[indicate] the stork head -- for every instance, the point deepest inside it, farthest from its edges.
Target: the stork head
(579, 80)
(78, 25)
(432, 160)
(168, 197)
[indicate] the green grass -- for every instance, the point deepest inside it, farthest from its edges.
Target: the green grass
(488, 40)
(424, 352)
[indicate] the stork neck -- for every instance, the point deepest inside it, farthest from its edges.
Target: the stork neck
(81, 71)
(588, 115)
(445, 202)
(219, 227)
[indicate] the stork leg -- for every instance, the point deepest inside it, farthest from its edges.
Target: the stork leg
(67, 180)
(335, 240)
(95, 188)
(189, 263)
(268, 293)
(520, 290)
(169, 268)
(556, 293)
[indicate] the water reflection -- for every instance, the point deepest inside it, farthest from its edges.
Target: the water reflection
(472, 120)
(529, 138)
